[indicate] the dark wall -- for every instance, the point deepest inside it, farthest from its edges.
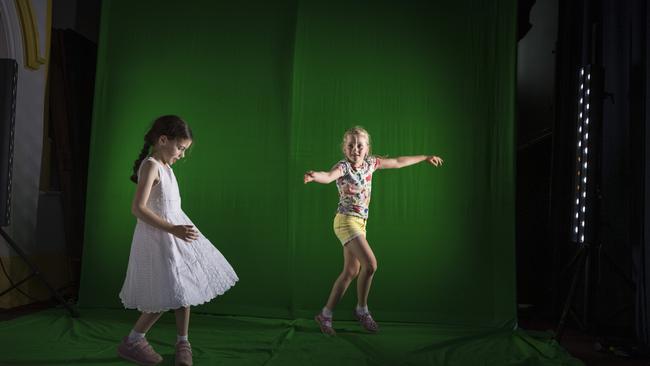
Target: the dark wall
(535, 117)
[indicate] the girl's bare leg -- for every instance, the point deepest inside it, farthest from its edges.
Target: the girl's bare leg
(350, 270)
(361, 250)
(182, 320)
(146, 321)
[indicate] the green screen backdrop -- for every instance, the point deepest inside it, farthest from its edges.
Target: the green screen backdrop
(268, 88)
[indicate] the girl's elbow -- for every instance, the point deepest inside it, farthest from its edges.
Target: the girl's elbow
(136, 210)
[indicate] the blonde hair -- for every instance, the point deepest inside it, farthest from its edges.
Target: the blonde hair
(356, 131)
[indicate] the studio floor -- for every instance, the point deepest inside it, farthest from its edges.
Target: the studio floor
(51, 337)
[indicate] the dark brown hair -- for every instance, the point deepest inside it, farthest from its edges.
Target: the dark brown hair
(171, 126)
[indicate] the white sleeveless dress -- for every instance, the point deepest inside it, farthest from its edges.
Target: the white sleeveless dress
(164, 271)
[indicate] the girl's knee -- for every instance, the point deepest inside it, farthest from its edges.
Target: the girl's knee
(350, 274)
(370, 268)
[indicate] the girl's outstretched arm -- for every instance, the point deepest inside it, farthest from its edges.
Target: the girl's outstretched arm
(402, 161)
(323, 177)
(149, 176)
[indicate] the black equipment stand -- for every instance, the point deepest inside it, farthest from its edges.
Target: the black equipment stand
(581, 265)
(36, 272)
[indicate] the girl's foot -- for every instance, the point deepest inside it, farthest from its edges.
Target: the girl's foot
(138, 351)
(367, 322)
(183, 354)
(325, 324)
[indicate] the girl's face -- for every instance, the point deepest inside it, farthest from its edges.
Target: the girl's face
(172, 150)
(356, 148)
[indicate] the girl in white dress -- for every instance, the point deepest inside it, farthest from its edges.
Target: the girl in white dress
(171, 264)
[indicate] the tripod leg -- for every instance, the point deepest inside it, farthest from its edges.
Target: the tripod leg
(15, 285)
(580, 259)
(587, 292)
(35, 272)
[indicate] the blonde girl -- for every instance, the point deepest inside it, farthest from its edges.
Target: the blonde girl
(353, 176)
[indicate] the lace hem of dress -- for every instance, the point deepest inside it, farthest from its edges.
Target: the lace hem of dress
(163, 308)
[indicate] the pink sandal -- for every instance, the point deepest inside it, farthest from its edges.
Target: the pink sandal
(139, 351)
(367, 322)
(325, 324)
(183, 354)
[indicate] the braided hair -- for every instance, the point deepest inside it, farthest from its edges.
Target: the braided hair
(169, 125)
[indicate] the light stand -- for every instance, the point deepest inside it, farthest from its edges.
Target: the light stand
(35, 273)
(8, 76)
(584, 213)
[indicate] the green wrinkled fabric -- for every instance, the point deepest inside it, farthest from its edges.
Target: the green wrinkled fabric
(53, 338)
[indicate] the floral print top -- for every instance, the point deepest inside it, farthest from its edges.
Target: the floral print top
(355, 186)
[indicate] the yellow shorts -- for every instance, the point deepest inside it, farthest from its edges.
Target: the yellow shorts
(348, 227)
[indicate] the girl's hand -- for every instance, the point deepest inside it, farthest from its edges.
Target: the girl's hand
(435, 160)
(185, 232)
(309, 177)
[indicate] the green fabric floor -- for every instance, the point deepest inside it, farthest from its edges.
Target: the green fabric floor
(51, 337)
